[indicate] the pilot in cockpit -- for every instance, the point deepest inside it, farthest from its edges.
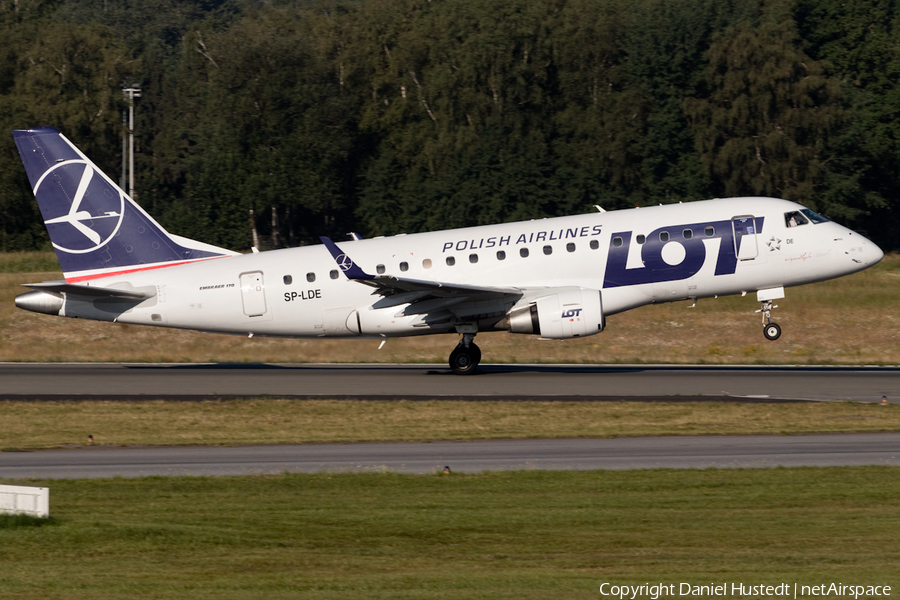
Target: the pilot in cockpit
(794, 219)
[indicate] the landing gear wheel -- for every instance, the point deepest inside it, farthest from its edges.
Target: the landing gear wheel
(772, 331)
(464, 360)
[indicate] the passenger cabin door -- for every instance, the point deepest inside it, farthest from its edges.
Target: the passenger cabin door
(745, 246)
(253, 294)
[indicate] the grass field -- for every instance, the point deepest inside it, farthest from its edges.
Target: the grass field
(28, 425)
(514, 535)
(853, 320)
(508, 535)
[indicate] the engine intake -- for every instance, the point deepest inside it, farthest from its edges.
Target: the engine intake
(569, 313)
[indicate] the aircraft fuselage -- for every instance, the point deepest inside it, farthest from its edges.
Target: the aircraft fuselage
(634, 257)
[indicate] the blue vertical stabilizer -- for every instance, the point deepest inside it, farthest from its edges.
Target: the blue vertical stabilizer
(95, 227)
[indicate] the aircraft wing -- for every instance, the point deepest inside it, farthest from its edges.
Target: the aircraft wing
(60, 287)
(414, 290)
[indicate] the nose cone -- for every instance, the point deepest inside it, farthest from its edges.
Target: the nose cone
(873, 253)
(855, 252)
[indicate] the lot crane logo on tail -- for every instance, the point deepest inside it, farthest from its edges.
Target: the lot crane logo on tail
(89, 209)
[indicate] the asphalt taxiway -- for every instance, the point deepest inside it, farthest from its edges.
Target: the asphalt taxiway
(682, 452)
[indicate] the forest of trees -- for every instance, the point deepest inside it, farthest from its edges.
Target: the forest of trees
(319, 117)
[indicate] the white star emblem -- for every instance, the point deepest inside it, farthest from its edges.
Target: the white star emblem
(774, 244)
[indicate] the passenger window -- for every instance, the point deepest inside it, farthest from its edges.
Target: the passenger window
(617, 241)
(548, 250)
(310, 277)
(501, 255)
(570, 247)
(426, 263)
(594, 244)
(333, 275)
(288, 280)
(523, 252)
(404, 266)
(709, 231)
(473, 258)
(451, 261)
(380, 269)
(664, 236)
(641, 239)
(794, 219)
(687, 234)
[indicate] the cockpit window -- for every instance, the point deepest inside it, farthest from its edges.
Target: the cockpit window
(814, 216)
(794, 219)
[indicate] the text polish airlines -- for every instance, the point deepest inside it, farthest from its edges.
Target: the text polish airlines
(557, 278)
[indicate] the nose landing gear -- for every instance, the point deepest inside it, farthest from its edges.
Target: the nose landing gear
(465, 357)
(771, 330)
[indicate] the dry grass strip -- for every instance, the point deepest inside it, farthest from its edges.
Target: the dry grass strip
(272, 421)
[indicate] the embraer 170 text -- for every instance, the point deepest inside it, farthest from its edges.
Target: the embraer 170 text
(557, 278)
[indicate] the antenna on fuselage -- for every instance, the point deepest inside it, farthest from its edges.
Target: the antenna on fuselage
(599, 208)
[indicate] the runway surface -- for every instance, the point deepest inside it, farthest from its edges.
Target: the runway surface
(371, 381)
(687, 452)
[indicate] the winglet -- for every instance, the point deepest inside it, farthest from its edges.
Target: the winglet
(350, 269)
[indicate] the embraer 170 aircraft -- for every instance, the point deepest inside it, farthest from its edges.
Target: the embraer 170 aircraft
(557, 278)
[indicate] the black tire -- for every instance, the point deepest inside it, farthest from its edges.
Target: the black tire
(477, 352)
(464, 361)
(772, 331)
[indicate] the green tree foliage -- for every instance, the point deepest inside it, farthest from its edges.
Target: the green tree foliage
(664, 42)
(599, 126)
(269, 129)
(772, 120)
(861, 40)
(385, 116)
(461, 107)
(54, 74)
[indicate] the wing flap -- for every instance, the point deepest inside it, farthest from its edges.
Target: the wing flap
(389, 285)
(440, 289)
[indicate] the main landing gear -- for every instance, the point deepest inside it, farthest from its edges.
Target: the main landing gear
(771, 330)
(465, 357)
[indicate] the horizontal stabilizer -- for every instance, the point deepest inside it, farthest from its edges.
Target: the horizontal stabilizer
(61, 287)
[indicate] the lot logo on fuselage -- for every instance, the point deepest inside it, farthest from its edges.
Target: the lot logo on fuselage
(344, 262)
(671, 254)
(81, 209)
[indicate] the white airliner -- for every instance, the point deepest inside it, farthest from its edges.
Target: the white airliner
(557, 278)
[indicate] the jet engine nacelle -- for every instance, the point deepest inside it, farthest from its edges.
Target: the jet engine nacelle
(559, 315)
